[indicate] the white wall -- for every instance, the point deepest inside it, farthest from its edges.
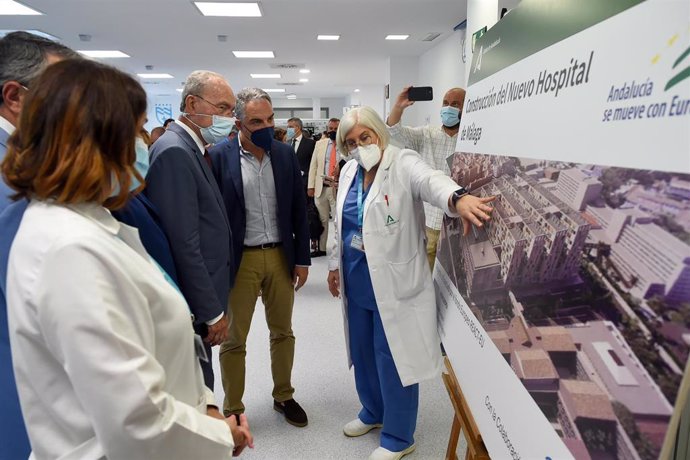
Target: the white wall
(403, 71)
(334, 104)
(441, 68)
(163, 102)
(371, 96)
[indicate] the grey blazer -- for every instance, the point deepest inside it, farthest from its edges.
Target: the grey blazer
(182, 187)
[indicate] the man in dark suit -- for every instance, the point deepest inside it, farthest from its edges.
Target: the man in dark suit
(181, 186)
(261, 183)
(23, 56)
(302, 145)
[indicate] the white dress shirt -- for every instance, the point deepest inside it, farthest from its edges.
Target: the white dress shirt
(434, 146)
(6, 126)
(260, 199)
(102, 345)
(297, 140)
(198, 141)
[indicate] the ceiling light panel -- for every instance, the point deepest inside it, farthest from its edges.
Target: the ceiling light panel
(397, 37)
(155, 75)
(12, 8)
(328, 37)
(265, 75)
(304, 80)
(236, 10)
(103, 54)
(304, 70)
(254, 54)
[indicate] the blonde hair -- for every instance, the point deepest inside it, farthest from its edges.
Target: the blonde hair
(367, 117)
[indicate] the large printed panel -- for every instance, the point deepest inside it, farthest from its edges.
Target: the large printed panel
(567, 317)
(582, 283)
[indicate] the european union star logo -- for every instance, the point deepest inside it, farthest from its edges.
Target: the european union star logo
(163, 112)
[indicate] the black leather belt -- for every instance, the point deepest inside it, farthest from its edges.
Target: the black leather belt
(265, 246)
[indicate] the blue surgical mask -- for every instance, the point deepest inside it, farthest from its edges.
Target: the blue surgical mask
(219, 129)
(142, 162)
(263, 138)
(450, 116)
(290, 133)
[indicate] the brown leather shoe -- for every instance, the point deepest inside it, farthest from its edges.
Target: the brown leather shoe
(294, 414)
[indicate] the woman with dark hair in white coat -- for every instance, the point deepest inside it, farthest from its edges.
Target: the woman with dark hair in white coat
(377, 255)
(102, 340)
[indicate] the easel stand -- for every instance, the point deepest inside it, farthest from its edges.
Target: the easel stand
(462, 422)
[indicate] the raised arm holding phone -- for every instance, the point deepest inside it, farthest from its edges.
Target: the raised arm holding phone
(434, 143)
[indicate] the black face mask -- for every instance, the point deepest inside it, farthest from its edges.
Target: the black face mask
(331, 135)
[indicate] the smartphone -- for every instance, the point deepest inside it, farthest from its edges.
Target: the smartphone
(420, 93)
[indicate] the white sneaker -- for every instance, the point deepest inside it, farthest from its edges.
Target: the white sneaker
(358, 428)
(384, 454)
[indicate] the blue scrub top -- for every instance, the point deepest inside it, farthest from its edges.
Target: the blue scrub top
(358, 288)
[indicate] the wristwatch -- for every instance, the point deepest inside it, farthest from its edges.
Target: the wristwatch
(459, 193)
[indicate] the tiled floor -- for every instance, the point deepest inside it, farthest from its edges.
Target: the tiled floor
(324, 387)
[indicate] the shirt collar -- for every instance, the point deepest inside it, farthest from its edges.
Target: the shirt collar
(298, 138)
(98, 214)
(5, 125)
(247, 152)
(191, 132)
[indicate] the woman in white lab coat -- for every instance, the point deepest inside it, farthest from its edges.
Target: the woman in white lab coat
(377, 256)
(102, 343)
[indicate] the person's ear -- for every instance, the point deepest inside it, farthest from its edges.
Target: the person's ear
(13, 94)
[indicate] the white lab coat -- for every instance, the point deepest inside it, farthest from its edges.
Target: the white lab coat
(394, 240)
(102, 345)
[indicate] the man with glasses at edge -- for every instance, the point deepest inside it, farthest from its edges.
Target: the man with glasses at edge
(23, 57)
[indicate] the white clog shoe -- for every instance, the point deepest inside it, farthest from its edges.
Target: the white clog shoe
(384, 454)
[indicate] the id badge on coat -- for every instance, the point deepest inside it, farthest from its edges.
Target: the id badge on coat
(199, 348)
(357, 242)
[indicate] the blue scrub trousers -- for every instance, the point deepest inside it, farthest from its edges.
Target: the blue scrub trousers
(384, 399)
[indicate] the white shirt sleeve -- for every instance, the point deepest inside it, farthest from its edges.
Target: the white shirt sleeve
(215, 320)
(406, 137)
(97, 324)
(428, 184)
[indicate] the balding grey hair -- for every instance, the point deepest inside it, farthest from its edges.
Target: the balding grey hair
(196, 83)
(246, 96)
(23, 56)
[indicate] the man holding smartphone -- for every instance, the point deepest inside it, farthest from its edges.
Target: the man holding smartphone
(434, 144)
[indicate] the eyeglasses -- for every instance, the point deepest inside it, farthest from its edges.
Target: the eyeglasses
(225, 109)
(364, 139)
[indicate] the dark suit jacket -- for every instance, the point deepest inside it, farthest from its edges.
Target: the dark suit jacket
(292, 203)
(16, 444)
(181, 186)
(141, 213)
(304, 152)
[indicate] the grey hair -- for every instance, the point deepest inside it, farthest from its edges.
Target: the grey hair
(23, 56)
(367, 117)
(195, 83)
(246, 96)
(298, 121)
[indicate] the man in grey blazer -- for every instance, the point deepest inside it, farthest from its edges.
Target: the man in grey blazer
(181, 185)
